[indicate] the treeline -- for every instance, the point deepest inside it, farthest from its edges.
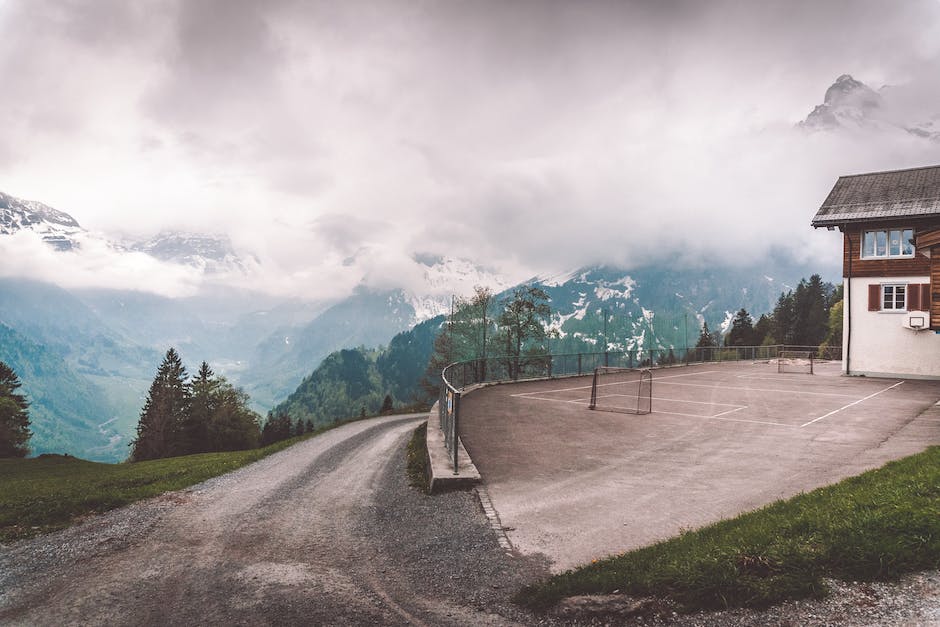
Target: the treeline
(182, 416)
(810, 315)
(481, 327)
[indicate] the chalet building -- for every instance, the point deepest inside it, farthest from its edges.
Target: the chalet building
(890, 223)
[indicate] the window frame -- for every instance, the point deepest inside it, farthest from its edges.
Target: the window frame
(887, 244)
(894, 297)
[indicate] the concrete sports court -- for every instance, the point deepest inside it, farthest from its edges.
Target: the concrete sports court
(576, 484)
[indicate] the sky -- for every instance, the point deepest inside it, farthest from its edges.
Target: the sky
(332, 141)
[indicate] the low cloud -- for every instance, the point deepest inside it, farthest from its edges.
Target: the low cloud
(93, 264)
(333, 140)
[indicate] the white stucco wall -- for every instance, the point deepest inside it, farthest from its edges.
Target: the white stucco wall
(880, 345)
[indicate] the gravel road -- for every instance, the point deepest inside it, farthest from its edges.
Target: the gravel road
(328, 532)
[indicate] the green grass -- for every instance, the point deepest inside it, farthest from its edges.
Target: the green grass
(53, 491)
(417, 459)
(876, 526)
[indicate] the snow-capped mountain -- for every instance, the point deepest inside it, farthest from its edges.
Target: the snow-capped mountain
(851, 104)
(209, 253)
(848, 102)
(446, 277)
(656, 307)
(56, 228)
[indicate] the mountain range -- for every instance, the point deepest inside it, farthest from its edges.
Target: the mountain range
(86, 355)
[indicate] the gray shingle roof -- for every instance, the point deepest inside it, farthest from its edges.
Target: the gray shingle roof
(880, 195)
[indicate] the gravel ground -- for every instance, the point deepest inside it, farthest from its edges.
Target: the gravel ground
(912, 601)
(328, 532)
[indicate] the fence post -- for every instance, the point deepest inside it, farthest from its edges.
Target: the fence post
(456, 424)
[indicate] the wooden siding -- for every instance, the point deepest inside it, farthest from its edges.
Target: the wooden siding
(935, 289)
(865, 268)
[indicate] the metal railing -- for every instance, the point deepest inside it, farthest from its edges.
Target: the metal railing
(458, 376)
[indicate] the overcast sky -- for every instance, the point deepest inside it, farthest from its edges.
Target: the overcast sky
(335, 139)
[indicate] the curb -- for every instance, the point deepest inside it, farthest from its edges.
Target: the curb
(441, 465)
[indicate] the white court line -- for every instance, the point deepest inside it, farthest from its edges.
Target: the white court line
(675, 400)
(836, 411)
(729, 387)
(721, 417)
(757, 377)
(588, 387)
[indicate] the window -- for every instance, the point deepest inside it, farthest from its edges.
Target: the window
(888, 243)
(899, 297)
(893, 297)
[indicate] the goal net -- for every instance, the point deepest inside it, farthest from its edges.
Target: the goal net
(626, 390)
(795, 361)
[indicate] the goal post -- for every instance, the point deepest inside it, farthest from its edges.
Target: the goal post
(795, 362)
(624, 390)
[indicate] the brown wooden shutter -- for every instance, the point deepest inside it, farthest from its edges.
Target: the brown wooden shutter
(925, 297)
(913, 297)
(874, 297)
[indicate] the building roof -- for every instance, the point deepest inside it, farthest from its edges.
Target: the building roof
(882, 195)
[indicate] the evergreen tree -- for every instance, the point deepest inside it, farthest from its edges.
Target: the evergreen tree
(309, 426)
(742, 330)
(784, 320)
(763, 330)
(159, 431)
(14, 415)
(811, 315)
(387, 405)
(705, 338)
(203, 404)
(277, 428)
(299, 427)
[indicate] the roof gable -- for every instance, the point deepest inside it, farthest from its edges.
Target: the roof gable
(880, 195)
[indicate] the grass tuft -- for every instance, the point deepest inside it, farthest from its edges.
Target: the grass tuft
(876, 526)
(417, 459)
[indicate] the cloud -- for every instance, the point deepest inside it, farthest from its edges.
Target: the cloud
(93, 264)
(333, 140)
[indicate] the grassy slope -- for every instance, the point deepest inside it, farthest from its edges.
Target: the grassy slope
(52, 491)
(878, 525)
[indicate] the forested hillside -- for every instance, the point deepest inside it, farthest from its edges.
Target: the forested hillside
(350, 382)
(69, 414)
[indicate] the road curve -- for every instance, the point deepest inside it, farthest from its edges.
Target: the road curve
(325, 532)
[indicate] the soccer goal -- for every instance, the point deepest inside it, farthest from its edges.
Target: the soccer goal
(795, 361)
(626, 390)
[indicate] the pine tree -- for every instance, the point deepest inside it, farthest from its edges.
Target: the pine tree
(14, 415)
(159, 431)
(203, 404)
(387, 405)
(299, 427)
(309, 426)
(705, 338)
(742, 330)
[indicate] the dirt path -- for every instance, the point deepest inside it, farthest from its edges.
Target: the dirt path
(324, 532)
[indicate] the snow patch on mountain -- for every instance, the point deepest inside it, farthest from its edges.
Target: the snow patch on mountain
(726, 323)
(209, 253)
(56, 228)
(445, 278)
(850, 104)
